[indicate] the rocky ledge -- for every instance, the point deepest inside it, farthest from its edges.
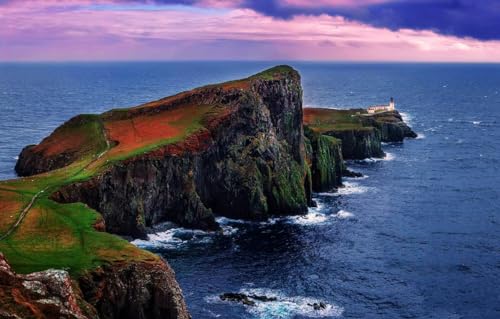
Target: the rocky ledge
(130, 290)
(45, 294)
(361, 134)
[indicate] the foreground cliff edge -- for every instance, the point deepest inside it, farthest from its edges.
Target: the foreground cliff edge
(237, 149)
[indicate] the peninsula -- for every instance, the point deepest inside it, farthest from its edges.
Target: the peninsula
(243, 149)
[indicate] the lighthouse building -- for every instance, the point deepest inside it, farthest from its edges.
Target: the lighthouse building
(382, 108)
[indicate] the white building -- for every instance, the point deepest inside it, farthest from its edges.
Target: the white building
(382, 108)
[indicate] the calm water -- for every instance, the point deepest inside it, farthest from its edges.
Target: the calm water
(419, 237)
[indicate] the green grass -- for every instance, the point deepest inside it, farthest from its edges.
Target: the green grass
(324, 120)
(272, 73)
(57, 235)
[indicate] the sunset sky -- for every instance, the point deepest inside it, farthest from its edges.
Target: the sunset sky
(345, 30)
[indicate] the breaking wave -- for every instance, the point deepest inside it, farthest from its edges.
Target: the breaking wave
(348, 188)
(284, 306)
(420, 136)
(407, 118)
(388, 157)
(343, 214)
(179, 237)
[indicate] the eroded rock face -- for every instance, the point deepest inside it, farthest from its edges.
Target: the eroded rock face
(391, 126)
(45, 294)
(134, 290)
(248, 163)
(359, 143)
(325, 160)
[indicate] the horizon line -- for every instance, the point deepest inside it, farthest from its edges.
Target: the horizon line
(247, 61)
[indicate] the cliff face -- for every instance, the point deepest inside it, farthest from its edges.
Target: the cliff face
(44, 294)
(361, 134)
(391, 126)
(118, 291)
(359, 143)
(135, 290)
(359, 140)
(244, 159)
(325, 160)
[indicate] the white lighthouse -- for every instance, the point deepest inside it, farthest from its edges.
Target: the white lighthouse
(382, 108)
(391, 105)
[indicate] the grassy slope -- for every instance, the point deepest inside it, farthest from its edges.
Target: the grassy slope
(54, 235)
(324, 120)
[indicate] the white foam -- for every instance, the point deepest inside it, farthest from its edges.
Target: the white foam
(16, 157)
(285, 306)
(348, 188)
(164, 239)
(476, 122)
(227, 221)
(311, 218)
(420, 136)
(343, 214)
(387, 157)
(407, 118)
(175, 238)
(356, 178)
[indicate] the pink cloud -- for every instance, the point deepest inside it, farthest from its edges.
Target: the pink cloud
(50, 30)
(330, 3)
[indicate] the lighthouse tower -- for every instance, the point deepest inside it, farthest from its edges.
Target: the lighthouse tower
(391, 105)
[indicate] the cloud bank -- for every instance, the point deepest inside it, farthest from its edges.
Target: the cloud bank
(223, 29)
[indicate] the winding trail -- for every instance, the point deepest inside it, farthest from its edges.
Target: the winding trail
(26, 209)
(23, 214)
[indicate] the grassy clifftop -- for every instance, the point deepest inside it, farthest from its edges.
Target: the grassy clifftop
(322, 120)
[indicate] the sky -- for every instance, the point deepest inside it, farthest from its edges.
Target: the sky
(338, 30)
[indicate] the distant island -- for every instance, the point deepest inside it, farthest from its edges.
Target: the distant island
(243, 149)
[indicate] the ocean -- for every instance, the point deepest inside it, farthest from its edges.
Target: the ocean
(417, 237)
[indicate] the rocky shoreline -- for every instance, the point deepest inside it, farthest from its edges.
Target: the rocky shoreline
(251, 152)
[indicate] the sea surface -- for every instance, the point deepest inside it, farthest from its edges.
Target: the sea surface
(417, 237)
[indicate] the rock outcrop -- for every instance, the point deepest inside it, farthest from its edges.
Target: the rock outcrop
(324, 155)
(391, 126)
(134, 290)
(361, 133)
(359, 143)
(45, 294)
(129, 290)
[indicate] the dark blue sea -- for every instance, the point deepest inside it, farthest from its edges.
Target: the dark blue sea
(417, 237)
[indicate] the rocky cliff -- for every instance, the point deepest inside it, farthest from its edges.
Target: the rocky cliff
(134, 290)
(324, 154)
(361, 133)
(44, 294)
(241, 154)
(391, 126)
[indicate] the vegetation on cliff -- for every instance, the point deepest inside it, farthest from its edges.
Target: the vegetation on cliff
(361, 133)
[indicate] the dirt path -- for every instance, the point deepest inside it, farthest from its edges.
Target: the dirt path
(26, 209)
